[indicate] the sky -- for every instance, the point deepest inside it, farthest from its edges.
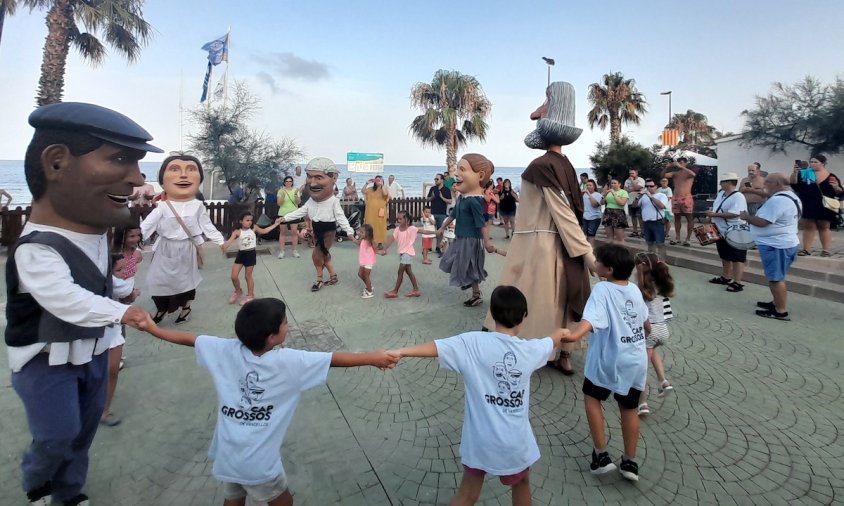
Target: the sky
(336, 76)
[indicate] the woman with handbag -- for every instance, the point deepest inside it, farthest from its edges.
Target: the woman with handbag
(376, 197)
(819, 192)
(725, 213)
(180, 221)
(615, 219)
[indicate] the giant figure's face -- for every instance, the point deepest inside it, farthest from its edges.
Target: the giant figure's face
(92, 191)
(466, 180)
(320, 185)
(181, 180)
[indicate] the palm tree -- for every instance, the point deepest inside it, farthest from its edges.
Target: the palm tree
(119, 23)
(6, 7)
(448, 100)
(694, 128)
(615, 100)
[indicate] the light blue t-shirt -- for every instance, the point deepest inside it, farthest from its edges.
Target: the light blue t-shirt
(589, 212)
(256, 399)
(782, 210)
(617, 358)
(496, 368)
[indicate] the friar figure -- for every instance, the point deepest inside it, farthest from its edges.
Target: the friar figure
(81, 168)
(549, 257)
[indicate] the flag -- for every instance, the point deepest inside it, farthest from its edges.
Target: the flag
(219, 91)
(205, 83)
(218, 50)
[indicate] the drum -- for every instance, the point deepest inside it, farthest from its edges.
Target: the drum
(707, 233)
(738, 236)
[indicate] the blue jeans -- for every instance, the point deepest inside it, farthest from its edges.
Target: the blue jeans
(654, 232)
(63, 405)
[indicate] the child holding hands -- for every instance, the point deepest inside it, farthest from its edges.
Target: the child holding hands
(246, 254)
(258, 387)
(496, 368)
(617, 361)
(405, 235)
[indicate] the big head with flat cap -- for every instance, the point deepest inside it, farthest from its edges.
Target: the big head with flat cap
(82, 165)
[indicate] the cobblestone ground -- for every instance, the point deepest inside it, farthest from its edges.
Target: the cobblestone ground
(755, 418)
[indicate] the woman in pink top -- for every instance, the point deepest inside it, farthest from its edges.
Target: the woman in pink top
(366, 259)
(405, 234)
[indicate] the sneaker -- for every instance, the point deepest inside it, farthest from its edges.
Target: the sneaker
(644, 409)
(41, 495)
(366, 294)
(766, 305)
(664, 389)
(629, 469)
(280, 254)
(234, 297)
(772, 313)
(79, 500)
(247, 300)
(296, 254)
(601, 464)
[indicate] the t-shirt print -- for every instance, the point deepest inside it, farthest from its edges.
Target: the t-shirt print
(511, 391)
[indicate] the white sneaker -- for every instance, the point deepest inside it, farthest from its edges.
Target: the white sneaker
(366, 294)
(281, 254)
(296, 253)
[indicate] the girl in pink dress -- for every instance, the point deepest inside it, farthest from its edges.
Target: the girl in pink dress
(366, 259)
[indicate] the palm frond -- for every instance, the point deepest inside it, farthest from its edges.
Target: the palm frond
(89, 47)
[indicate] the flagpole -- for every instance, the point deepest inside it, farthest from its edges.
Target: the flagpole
(226, 77)
(181, 88)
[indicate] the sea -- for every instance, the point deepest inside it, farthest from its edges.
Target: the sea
(410, 177)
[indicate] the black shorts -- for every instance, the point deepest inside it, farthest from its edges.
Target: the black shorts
(629, 401)
(293, 223)
(728, 253)
(246, 258)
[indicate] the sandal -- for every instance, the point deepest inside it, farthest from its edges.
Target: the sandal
(687, 243)
(413, 293)
(476, 300)
(247, 300)
(184, 315)
(332, 280)
(390, 295)
(720, 280)
(316, 286)
(159, 316)
(427, 262)
(110, 420)
(557, 364)
(673, 242)
(234, 297)
(732, 286)
(826, 253)
(804, 253)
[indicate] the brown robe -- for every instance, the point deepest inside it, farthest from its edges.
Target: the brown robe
(546, 258)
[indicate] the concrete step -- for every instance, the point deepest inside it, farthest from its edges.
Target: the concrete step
(816, 277)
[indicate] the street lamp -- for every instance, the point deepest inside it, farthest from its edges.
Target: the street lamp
(550, 62)
(669, 107)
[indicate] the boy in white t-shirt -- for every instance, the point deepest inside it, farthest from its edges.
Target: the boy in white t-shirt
(258, 388)
(496, 367)
(617, 360)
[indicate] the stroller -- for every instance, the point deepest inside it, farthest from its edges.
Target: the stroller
(353, 214)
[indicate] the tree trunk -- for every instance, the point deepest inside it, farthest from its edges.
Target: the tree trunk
(615, 126)
(2, 20)
(451, 151)
(54, 60)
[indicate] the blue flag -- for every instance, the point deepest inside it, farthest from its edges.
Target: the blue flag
(205, 84)
(218, 50)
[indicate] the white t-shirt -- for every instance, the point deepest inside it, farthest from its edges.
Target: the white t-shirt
(246, 241)
(395, 190)
(649, 210)
(617, 358)
(656, 309)
(666, 191)
(496, 368)
(325, 211)
(300, 180)
(628, 186)
(733, 203)
(256, 399)
(781, 212)
(590, 212)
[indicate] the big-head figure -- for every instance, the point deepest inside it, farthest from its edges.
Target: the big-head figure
(81, 167)
(549, 253)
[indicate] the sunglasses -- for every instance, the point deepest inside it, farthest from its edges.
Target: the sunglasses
(650, 185)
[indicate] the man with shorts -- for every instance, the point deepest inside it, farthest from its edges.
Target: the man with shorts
(683, 204)
(774, 228)
(753, 188)
(652, 205)
(633, 186)
(439, 198)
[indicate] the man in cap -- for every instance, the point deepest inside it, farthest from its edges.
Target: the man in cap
(324, 211)
(81, 168)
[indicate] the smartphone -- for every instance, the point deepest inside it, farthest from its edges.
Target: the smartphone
(798, 162)
(747, 184)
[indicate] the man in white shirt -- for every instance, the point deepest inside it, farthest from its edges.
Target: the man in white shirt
(774, 229)
(394, 188)
(60, 287)
(728, 205)
(634, 185)
(653, 205)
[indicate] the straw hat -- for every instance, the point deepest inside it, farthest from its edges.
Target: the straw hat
(728, 176)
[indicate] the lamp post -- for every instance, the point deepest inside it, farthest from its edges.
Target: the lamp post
(669, 107)
(550, 62)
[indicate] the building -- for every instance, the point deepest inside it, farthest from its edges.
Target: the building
(735, 157)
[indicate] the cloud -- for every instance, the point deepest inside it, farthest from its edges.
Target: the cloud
(269, 81)
(288, 65)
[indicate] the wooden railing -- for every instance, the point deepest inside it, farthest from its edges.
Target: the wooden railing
(223, 215)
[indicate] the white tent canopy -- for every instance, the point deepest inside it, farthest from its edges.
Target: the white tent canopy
(703, 160)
